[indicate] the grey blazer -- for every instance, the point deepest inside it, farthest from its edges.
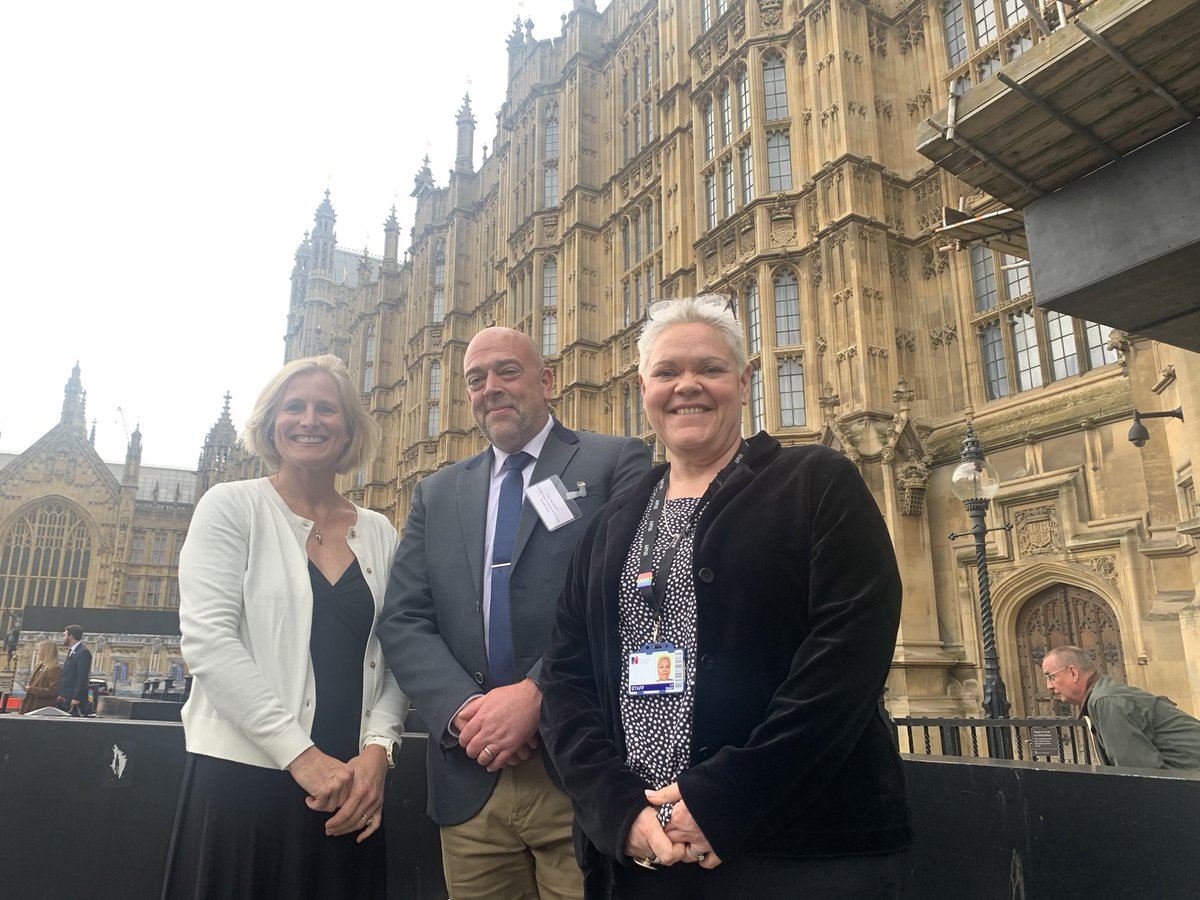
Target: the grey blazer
(431, 627)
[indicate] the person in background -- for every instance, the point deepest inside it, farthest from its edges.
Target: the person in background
(41, 690)
(293, 718)
(468, 614)
(76, 670)
(1131, 727)
(767, 769)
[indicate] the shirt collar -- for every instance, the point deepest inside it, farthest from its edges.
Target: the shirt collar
(533, 448)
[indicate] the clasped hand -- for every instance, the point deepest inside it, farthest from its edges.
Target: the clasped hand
(681, 841)
(353, 790)
(499, 728)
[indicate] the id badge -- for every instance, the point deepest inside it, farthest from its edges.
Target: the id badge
(657, 669)
(555, 505)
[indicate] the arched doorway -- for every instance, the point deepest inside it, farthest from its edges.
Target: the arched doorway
(1064, 614)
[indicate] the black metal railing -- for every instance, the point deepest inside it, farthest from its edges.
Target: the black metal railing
(1033, 740)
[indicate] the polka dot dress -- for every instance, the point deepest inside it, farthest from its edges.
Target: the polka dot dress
(658, 728)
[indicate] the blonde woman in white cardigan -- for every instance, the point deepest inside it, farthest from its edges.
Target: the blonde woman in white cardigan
(293, 718)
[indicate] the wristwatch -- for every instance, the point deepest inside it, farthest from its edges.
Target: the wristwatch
(389, 747)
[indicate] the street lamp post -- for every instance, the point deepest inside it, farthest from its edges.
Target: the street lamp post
(975, 483)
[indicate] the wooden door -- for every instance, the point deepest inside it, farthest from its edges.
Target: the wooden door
(1064, 614)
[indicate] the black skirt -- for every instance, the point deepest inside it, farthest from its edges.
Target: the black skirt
(245, 834)
(245, 831)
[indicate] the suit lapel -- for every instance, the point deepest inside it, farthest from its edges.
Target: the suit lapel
(560, 447)
(473, 486)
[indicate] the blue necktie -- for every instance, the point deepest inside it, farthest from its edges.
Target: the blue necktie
(508, 513)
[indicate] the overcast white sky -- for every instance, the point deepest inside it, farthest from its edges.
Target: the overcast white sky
(161, 162)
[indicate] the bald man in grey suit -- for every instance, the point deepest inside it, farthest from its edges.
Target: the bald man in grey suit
(505, 824)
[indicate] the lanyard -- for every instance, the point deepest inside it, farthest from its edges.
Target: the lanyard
(652, 588)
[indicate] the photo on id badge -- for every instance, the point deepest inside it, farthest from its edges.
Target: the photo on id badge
(657, 669)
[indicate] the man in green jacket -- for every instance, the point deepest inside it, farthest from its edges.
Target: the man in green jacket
(1131, 727)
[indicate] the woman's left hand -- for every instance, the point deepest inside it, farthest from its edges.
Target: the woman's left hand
(363, 809)
(683, 829)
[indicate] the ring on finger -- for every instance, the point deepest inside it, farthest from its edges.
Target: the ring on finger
(695, 854)
(367, 820)
(647, 862)
(490, 752)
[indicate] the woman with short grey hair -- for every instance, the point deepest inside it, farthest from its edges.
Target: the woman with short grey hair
(756, 764)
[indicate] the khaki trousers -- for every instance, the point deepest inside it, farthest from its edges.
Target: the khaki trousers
(518, 847)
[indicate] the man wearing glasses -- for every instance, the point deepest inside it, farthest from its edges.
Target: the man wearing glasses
(1131, 727)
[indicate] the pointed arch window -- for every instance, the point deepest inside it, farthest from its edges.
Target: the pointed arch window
(368, 378)
(955, 27)
(710, 200)
(550, 282)
(550, 157)
(727, 198)
(45, 557)
(757, 413)
(746, 165)
(158, 554)
(434, 421)
(753, 319)
(549, 304)
(726, 111)
(774, 87)
(991, 350)
(549, 333)
(710, 138)
(787, 309)
(983, 277)
(779, 161)
(550, 133)
(439, 286)
(743, 93)
(791, 393)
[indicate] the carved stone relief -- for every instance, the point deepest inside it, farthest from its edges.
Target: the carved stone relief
(1037, 530)
(771, 12)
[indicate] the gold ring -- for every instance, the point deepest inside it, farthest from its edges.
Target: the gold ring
(367, 820)
(647, 862)
(490, 752)
(695, 854)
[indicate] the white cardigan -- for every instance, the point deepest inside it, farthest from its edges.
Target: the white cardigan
(245, 610)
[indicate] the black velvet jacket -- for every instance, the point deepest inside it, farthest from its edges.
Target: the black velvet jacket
(798, 604)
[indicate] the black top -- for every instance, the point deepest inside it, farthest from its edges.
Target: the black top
(341, 624)
(798, 600)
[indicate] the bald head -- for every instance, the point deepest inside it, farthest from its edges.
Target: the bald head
(509, 387)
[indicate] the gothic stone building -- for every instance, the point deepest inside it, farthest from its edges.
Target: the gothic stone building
(81, 539)
(764, 150)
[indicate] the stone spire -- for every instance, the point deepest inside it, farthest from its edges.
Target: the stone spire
(133, 457)
(464, 160)
(220, 448)
(391, 239)
(74, 402)
(423, 180)
(324, 238)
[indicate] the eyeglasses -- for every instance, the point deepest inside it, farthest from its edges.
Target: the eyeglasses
(1050, 675)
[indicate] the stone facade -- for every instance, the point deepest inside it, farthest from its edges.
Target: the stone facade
(77, 533)
(764, 150)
